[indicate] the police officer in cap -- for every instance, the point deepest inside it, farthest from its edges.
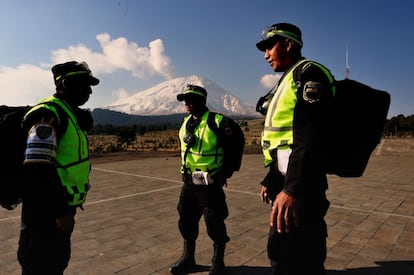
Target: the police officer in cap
(203, 176)
(56, 170)
(296, 122)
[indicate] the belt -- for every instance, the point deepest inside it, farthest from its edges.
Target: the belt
(214, 180)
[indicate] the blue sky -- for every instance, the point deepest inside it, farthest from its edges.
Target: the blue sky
(134, 45)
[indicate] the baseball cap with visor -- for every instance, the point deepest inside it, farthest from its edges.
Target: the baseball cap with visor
(191, 91)
(277, 32)
(73, 69)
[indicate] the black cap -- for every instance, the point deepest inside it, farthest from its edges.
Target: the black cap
(276, 32)
(192, 90)
(73, 69)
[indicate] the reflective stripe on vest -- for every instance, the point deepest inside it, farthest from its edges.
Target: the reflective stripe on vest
(72, 156)
(205, 155)
(278, 126)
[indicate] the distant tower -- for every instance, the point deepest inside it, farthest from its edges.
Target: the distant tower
(347, 69)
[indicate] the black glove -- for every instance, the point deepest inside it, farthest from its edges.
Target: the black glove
(273, 181)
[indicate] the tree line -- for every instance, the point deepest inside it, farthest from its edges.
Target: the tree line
(398, 126)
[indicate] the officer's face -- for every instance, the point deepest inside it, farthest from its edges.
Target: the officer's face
(194, 104)
(278, 56)
(77, 90)
(84, 92)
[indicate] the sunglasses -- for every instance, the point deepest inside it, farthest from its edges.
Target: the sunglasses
(195, 89)
(268, 32)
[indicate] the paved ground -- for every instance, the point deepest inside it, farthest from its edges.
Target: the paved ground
(129, 225)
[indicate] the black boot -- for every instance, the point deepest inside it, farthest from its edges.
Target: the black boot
(186, 261)
(275, 267)
(217, 263)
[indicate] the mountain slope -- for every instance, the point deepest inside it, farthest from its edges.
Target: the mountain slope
(162, 99)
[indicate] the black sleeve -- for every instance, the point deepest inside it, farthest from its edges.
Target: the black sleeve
(42, 186)
(306, 162)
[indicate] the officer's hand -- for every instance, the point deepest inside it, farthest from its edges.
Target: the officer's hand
(66, 223)
(284, 212)
(264, 195)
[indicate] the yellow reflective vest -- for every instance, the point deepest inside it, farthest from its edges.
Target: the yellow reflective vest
(278, 125)
(206, 154)
(72, 155)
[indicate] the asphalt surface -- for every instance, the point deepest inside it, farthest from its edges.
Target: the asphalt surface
(129, 225)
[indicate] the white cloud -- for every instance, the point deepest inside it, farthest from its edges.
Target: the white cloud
(121, 95)
(26, 83)
(269, 80)
(159, 61)
(120, 54)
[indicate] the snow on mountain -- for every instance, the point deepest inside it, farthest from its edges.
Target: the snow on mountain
(162, 99)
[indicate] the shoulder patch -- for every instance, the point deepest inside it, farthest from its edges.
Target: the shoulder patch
(312, 91)
(43, 132)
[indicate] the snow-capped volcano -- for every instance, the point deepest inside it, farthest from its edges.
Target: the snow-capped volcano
(162, 99)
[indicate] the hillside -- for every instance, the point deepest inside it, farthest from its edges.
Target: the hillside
(105, 117)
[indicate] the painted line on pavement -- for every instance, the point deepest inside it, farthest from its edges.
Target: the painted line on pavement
(134, 175)
(178, 186)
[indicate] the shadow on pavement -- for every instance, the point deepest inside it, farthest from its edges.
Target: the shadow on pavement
(247, 270)
(384, 268)
(236, 270)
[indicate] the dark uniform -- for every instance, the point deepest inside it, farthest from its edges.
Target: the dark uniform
(56, 171)
(293, 142)
(203, 200)
(203, 176)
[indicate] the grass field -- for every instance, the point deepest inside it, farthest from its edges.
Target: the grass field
(166, 141)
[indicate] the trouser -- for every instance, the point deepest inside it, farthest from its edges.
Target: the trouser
(303, 249)
(208, 201)
(43, 247)
(297, 253)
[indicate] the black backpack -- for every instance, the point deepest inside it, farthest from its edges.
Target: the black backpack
(357, 120)
(232, 141)
(13, 144)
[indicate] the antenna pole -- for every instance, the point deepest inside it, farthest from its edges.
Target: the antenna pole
(347, 69)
